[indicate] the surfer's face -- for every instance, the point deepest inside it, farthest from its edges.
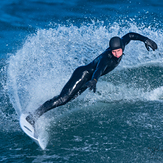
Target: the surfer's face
(117, 52)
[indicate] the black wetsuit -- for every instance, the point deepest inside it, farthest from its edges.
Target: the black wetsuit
(101, 65)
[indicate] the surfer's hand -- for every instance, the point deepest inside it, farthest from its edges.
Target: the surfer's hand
(150, 43)
(92, 85)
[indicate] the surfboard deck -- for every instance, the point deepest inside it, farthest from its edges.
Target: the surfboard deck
(30, 130)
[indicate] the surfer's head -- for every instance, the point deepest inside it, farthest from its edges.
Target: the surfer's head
(116, 46)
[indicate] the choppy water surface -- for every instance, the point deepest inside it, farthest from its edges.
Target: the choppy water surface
(42, 42)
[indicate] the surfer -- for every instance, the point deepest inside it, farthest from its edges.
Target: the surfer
(87, 76)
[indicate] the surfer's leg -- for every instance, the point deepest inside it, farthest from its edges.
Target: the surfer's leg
(69, 91)
(72, 89)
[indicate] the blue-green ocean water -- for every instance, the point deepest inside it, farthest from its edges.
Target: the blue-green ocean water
(42, 42)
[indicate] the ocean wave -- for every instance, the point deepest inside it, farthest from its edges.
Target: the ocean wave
(39, 70)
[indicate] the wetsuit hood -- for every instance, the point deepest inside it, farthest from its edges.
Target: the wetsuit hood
(116, 43)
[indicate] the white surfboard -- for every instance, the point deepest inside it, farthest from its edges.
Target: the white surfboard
(30, 130)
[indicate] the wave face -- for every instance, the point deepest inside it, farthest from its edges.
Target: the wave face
(116, 123)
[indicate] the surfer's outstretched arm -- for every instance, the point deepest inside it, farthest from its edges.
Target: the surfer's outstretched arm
(135, 36)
